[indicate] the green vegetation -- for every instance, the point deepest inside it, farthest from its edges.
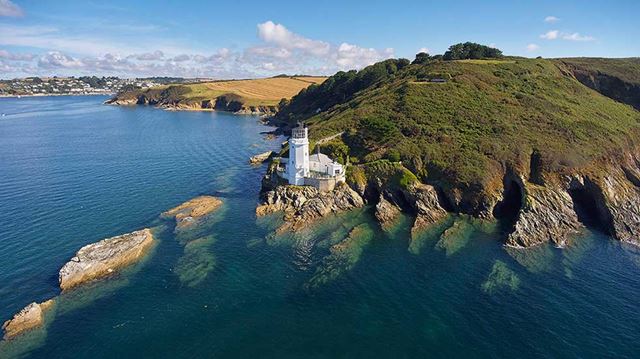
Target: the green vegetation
(462, 133)
(337, 89)
(471, 50)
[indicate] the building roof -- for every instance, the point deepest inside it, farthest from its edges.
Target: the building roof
(320, 157)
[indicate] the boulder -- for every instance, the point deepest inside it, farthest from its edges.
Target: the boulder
(105, 257)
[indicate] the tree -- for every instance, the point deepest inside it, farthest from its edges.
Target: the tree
(422, 58)
(471, 50)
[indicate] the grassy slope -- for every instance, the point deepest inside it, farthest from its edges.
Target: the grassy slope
(256, 92)
(491, 114)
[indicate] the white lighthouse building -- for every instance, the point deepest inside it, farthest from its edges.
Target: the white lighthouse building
(316, 170)
(298, 166)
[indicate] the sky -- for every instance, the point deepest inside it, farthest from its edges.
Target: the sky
(246, 39)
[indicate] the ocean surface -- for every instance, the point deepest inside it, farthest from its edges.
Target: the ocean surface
(74, 171)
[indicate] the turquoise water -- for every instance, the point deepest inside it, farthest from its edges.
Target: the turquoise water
(73, 171)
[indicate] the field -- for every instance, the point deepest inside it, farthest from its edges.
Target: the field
(254, 92)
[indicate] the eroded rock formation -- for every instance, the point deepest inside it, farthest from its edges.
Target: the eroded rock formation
(304, 204)
(105, 257)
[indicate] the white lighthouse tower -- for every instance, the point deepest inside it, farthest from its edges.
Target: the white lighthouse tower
(298, 166)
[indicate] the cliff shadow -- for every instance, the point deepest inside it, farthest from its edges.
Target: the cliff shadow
(507, 211)
(588, 203)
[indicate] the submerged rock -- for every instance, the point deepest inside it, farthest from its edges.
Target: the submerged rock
(193, 211)
(501, 277)
(197, 262)
(103, 258)
(455, 237)
(343, 256)
(304, 204)
(29, 318)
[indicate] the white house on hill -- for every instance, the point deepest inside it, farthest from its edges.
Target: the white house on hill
(317, 170)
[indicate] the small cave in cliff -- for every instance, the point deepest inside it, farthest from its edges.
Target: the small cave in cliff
(586, 208)
(508, 210)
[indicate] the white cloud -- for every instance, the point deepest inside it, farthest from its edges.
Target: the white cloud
(149, 56)
(424, 49)
(15, 56)
(577, 37)
(550, 35)
(278, 50)
(555, 34)
(279, 35)
(7, 8)
(56, 59)
(352, 56)
(533, 47)
(551, 19)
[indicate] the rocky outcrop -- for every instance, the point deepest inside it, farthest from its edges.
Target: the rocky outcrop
(605, 196)
(29, 318)
(547, 215)
(617, 200)
(260, 158)
(424, 200)
(103, 258)
(192, 212)
(386, 212)
(304, 204)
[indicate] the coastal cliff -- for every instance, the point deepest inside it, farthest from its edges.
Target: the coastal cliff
(256, 96)
(546, 147)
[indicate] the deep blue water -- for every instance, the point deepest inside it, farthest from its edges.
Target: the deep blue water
(73, 171)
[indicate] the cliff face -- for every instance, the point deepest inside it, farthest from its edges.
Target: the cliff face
(604, 196)
(618, 79)
(227, 103)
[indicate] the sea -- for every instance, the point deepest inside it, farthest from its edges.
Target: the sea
(74, 171)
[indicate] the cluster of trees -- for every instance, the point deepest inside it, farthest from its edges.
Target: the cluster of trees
(338, 88)
(471, 50)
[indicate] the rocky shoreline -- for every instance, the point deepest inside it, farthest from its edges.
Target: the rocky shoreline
(543, 207)
(217, 104)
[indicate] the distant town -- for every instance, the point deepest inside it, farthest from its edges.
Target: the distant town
(85, 85)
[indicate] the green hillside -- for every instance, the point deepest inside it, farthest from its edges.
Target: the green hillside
(459, 123)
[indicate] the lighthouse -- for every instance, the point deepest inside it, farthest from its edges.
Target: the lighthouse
(298, 166)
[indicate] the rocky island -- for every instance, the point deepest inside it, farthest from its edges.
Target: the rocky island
(29, 318)
(547, 146)
(192, 212)
(103, 258)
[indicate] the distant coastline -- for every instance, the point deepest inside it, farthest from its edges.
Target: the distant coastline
(58, 94)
